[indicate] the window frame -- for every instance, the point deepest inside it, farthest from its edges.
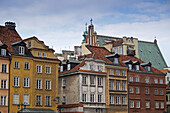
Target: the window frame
(21, 50)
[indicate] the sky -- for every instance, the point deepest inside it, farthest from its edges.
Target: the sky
(60, 23)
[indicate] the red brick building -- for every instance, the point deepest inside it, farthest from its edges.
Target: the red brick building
(146, 88)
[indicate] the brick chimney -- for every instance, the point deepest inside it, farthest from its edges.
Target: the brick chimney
(10, 25)
(155, 41)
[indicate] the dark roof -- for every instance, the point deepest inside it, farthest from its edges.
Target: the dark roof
(8, 36)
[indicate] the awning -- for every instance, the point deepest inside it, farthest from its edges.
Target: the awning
(36, 110)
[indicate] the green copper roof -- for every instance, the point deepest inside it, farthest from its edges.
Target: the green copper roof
(150, 52)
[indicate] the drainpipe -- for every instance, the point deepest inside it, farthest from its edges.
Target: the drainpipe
(10, 58)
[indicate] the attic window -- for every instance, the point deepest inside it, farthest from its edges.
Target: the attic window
(3, 52)
(116, 61)
(130, 66)
(91, 67)
(29, 44)
(44, 54)
(148, 68)
(21, 50)
(137, 67)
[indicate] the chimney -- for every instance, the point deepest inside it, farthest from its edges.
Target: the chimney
(10, 25)
(155, 41)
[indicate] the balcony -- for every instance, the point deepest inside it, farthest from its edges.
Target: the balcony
(131, 52)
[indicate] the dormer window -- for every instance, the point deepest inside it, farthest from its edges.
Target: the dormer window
(116, 61)
(21, 50)
(130, 66)
(29, 44)
(148, 68)
(137, 67)
(3, 52)
(68, 67)
(100, 68)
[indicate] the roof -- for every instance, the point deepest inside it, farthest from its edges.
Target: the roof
(150, 52)
(8, 36)
(165, 71)
(103, 38)
(36, 110)
(117, 42)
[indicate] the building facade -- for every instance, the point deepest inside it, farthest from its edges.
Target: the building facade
(4, 78)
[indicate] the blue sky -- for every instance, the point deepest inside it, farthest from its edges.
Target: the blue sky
(60, 23)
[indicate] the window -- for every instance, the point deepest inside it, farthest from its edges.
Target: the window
(27, 65)
(91, 67)
(26, 82)
(117, 99)
(131, 89)
(137, 67)
(162, 105)
(116, 50)
(16, 64)
(157, 105)
(100, 68)
(26, 99)
(64, 99)
(16, 81)
(121, 50)
(167, 78)
(3, 84)
(100, 81)
(92, 80)
(39, 84)
(84, 80)
(146, 80)
(39, 69)
(15, 99)
(123, 73)
(3, 52)
(21, 50)
(155, 80)
(161, 91)
(137, 104)
(123, 100)
(111, 72)
(99, 98)
(111, 99)
(137, 90)
(123, 85)
(117, 85)
(111, 85)
(116, 60)
(4, 68)
(48, 69)
(29, 44)
(3, 100)
(156, 91)
(38, 100)
(131, 79)
(148, 68)
(147, 104)
(137, 79)
(44, 54)
(48, 101)
(91, 97)
(146, 90)
(39, 54)
(118, 72)
(131, 104)
(130, 66)
(64, 83)
(48, 84)
(161, 81)
(84, 97)
(68, 66)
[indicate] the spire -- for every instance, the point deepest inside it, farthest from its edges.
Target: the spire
(86, 27)
(91, 21)
(155, 41)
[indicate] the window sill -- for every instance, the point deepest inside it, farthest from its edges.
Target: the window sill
(92, 85)
(4, 105)
(4, 72)
(84, 85)
(26, 69)
(16, 68)
(48, 73)
(100, 86)
(48, 106)
(48, 89)
(26, 86)
(39, 89)
(4, 88)
(39, 72)
(39, 105)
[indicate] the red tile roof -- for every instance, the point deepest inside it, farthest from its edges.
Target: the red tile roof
(165, 71)
(115, 42)
(8, 36)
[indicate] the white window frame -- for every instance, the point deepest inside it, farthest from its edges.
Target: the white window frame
(3, 101)
(117, 85)
(111, 99)
(111, 84)
(21, 50)
(131, 79)
(147, 104)
(137, 67)
(162, 105)
(137, 104)
(48, 69)
(3, 52)
(84, 97)
(15, 99)
(136, 79)
(26, 81)
(124, 100)
(130, 66)
(3, 84)
(38, 100)
(4, 68)
(84, 80)
(160, 81)
(157, 105)
(48, 101)
(16, 81)
(39, 68)
(48, 84)
(39, 84)
(116, 60)
(123, 85)
(100, 81)
(27, 65)
(137, 90)
(131, 104)
(99, 97)
(92, 97)
(118, 100)
(26, 99)
(16, 64)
